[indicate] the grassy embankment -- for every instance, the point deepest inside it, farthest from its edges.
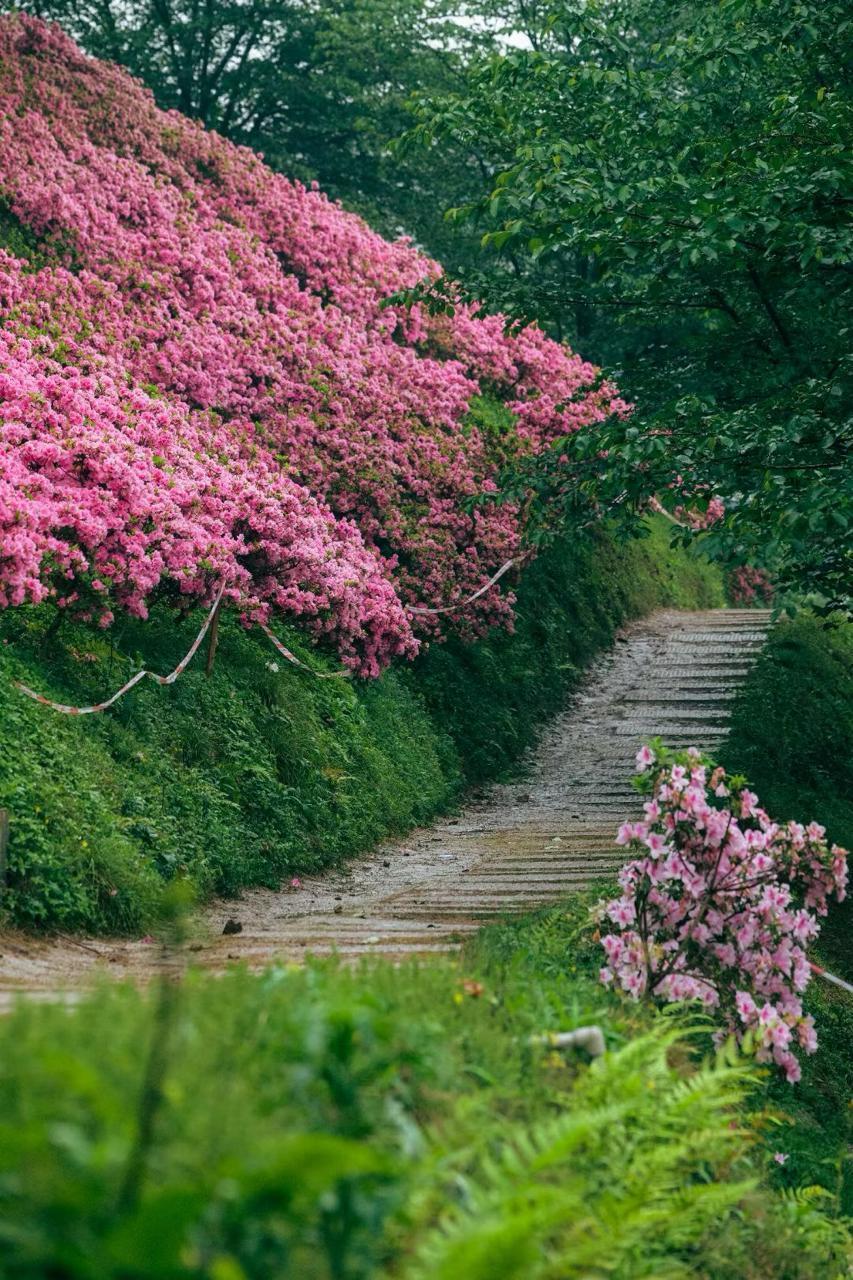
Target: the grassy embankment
(792, 735)
(257, 773)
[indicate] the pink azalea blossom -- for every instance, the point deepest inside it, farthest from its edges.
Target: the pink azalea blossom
(655, 843)
(724, 916)
(746, 585)
(201, 382)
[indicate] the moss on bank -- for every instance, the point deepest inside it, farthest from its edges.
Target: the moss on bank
(258, 773)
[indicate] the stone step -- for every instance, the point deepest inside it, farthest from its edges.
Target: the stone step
(676, 676)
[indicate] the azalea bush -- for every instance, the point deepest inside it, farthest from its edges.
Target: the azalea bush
(749, 585)
(199, 381)
(719, 903)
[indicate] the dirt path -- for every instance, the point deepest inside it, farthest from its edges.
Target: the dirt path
(516, 847)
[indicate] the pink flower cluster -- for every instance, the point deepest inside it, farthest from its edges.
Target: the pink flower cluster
(748, 585)
(109, 495)
(696, 519)
(719, 904)
(203, 380)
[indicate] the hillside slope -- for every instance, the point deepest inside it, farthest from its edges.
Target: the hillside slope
(199, 382)
(258, 774)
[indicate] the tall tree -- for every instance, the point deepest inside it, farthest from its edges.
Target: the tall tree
(673, 189)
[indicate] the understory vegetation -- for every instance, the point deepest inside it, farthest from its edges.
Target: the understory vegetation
(262, 771)
(792, 735)
(395, 1123)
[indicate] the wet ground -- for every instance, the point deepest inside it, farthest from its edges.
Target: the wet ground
(511, 848)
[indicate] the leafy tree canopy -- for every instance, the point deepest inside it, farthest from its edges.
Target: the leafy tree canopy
(671, 188)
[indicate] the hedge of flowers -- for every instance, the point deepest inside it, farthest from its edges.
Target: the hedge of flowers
(198, 379)
(719, 903)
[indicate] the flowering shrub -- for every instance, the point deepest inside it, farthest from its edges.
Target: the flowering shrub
(696, 519)
(747, 585)
(719, 903)
(211, 336)
(123, 490)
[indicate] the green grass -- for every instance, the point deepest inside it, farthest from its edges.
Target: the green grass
(255, 774)
(388, 1123)
(792, 735)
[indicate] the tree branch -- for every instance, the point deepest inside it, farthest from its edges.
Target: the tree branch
(769, 307)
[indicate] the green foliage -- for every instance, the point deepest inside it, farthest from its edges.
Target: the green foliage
(294, 1176)
(17, 239)
(665, 184)
(232, 780)
(258, 773)
(792, 735)
(382, 1122)
(625, 1181)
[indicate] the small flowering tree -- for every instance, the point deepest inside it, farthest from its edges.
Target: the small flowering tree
(719, 903)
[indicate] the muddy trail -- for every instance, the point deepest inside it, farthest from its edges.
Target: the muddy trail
(512, 848)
